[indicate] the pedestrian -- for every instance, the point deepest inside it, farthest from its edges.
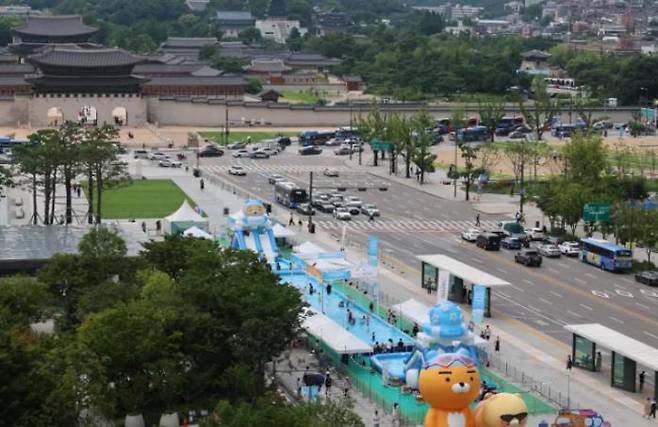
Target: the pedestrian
(375, 419)
(569, 363)
(300, 223)
(487, 333)
(78, 190)
(329, 289)
(477, 220)
(371, 306)
(415, 330)
(299, 388)
(599, 359)
(642, 375)
(395, 414)
(371, 217)
(202, 184)
(497, 345)
(373, 337)
(291, 221)
(517, 215)
(144, 226)
(327, 383)
(348, 387)
(653, 409)
(647, 408)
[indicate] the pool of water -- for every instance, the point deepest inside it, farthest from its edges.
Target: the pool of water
(376, 328)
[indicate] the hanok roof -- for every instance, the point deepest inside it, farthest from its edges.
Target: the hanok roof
(85, 58)
(267, 66)
(310, 58)
(172, 69)
(56, 26)
(189, 42)
(233, 15)
(352, 79)
(16, 69)
(535, 54)
(197, 81)
(206, 71)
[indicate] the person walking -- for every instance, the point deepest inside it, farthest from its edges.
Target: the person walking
(641, 378)
(599, 360)
(569, 363)
(497, 345)
(78, 190)
(202, 184)
(652, 412)
(327, 383)
(647, 408)
(375, 419)
(395, 414)
(291, 221)
(371, 217)
(477, 220)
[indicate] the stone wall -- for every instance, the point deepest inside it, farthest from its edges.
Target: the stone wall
(135, 107)
(14, 112)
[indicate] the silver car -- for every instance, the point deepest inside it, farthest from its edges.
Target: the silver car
(549, 251)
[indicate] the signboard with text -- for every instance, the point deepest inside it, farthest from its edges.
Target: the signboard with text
(373, 251)
(479, 303)
(443, 287)
(597, 212)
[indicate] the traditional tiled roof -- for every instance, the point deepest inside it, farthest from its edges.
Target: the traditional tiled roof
(85, 58)
(233, 15)
(352, 79)
(189, 42)
(267, 66)
(16, 69)
(197, 81)
(206, 71)
(534, 53)
(55, 26)
(166, 69)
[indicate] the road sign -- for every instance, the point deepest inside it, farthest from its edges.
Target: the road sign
(596, 212)
(379, 145)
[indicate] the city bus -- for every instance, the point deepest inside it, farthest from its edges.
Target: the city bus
(477, 133)
(313, 137)
(606, 255)
(289, 194)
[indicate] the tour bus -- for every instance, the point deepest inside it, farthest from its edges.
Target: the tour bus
(477, 133)
(506, 124)
(11, 142)
(347, 133)
(446, 124)
(606, 255)
(289, 194)
(314, 137)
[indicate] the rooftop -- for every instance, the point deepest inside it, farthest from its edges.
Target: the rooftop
(189, 42)
(85, 58)
(268, 65)
(234, 15)
(62, 26)
(197, 81)
(464, 271)
(535, 54)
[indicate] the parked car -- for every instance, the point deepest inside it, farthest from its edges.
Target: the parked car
(330, 172)
(488, 241)
(274, 178)
(259, 155)
(211, 151)
(550, 251)
(342, 151)
(342, 214)
(333, 142)
(517, 134)
(326, 208)
(237, 170)
(522, 128)
(649, 277)
(270, 151)
(354, 201)
(237, 146)
(241, 153)
(510, 243)
(166, 163)
(535, 233)
(528, 257)
(353, 210)
(157, 156)
(471, 234)
(141, 154)
(569, 248)
(552, 240)
(309, 151)
(305, 209)
(370, 210)
(283, 141)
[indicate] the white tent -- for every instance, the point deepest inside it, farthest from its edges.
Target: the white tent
(197, 232)
(184, 218)
(308, 250)
(335, 336)
(281, 231)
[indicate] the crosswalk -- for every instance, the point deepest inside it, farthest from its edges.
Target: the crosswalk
(387, 225)
(286, 168)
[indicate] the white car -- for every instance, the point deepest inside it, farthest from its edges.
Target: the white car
(471, 235)
(370, 210)
(535, 233)
(569, 248)
(237, 171)
(241, 153)
(342, 214)
(156, 155)
(169, 164)
(354, 201)
(330, 172)
(550, 251)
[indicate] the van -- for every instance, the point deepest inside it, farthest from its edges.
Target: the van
(488, 242)
(141, 154)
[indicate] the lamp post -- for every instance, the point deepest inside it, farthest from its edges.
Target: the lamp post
(454, 172)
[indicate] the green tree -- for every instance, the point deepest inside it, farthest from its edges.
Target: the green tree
(423, 157)
(491, 113)
(5, 178)
(542, 109)
(250, 35)
(647, 223)
(586, 159)
(469, 153)
(24, 299)
(278, 9)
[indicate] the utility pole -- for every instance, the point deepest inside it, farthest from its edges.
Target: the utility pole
(522, 191)
(454, 179)
(226, 126)
(310, 197)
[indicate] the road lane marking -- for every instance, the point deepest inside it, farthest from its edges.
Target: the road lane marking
(517, 288)
(593, 276)
(564, 265)
(600, 294)
(478, 260)
(614, 319)
(556, 294)
(554, 270)
(573, 313)
(586, 307)
(650, 334)
(639, 304)
(501, 270)
(624, 293)
(579, 280)
(528, 282)
(628, 280)
(545, 301)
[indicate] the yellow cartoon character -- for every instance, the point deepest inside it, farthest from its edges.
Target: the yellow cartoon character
(449, 383)
(501, 410)
(254, 208)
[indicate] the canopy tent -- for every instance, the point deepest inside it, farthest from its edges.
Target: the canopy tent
(308, 250)
(463, 271)
(334, 335)
(184, 218)
(280, 231)
(197, 232)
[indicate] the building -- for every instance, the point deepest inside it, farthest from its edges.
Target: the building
(333, 22)
(187, 47)
(16, 11)
(197, 5)
(463, 11)
(353, 83)
(278, 30)
(309, 62)
(270, 70)
(231, 23)
(38, 31)
(535, 62)
(491, 26)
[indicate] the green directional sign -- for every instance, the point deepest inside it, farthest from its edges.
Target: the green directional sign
(379, 145)
(596, 212)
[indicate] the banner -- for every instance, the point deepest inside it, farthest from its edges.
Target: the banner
(443, 287)
(373, 251)
(479, 303)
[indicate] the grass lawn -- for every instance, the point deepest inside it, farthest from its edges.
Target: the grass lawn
(301, 97)
(152, 198)
(218, 137)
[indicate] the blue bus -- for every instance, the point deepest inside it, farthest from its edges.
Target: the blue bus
(313, 137)
(477, 133)
(606, 255)
(289, 194)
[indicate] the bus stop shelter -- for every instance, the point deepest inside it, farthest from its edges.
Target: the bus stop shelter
(461, 280)
(627, 353)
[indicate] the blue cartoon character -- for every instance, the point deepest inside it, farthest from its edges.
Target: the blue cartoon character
(446, 326)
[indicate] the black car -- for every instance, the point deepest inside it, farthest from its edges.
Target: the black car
(649, 277)
(309, 151)
(528, 257)
(284, 141)
(510, 243)
(305, 209)
(211, 151)
(488, 242)
(326, 208)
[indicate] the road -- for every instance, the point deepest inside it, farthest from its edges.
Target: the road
(412, 223)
